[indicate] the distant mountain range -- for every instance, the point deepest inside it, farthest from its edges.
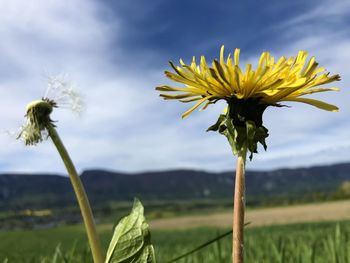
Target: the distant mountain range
(42, 190)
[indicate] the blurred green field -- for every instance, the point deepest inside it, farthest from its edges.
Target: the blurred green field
(304, 243)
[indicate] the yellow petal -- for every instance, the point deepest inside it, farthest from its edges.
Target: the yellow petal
(222, 59)
(190, 100)
(317, 103)
(310, 91)
(236, 56)
(177, 96)
(205, 106)
(188, 112)
(168, 88)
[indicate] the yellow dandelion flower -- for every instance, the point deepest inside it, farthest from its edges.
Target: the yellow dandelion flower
(272, 82)
(248, 92)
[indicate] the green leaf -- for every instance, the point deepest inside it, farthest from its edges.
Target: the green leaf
(131, 241)
(218, 125)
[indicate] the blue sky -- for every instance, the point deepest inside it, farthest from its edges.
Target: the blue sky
(115, 53)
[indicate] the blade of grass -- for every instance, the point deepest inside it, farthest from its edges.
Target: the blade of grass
(203, 245)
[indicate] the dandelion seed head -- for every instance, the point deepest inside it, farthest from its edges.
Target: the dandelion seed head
(60, 93)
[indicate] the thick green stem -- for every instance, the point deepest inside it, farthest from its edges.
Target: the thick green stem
(238, 208)
(81, 197)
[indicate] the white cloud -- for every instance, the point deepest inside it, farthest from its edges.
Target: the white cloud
(323, 13)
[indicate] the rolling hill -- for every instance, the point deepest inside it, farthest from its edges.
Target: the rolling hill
(18, 191)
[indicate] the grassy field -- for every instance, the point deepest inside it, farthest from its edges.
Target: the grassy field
(327, 211)
(267, 239)
(304, 243)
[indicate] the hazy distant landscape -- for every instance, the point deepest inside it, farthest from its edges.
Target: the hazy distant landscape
(166, 194)
(185, 208)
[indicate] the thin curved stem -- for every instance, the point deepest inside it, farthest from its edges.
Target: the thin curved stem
(80, 193)
(238, 208)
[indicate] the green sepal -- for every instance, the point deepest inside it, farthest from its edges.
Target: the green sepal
(131, 241)
(219, 125)
(239, 136)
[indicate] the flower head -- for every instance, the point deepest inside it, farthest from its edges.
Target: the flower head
(248, 92)
(38, 112)
(272, 81)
